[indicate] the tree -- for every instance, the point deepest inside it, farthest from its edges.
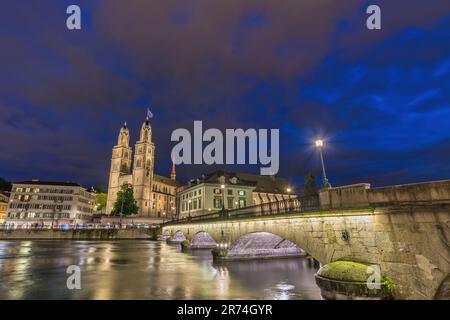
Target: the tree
(5, 185)
(125, 202)
(310, 185)
(101, 201)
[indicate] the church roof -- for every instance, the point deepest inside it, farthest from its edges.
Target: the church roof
(165, 180)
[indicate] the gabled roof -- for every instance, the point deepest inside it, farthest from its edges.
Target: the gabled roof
(266, 184)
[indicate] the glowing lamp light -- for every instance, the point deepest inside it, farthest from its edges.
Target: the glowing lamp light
(288, 189)
(319, 143)
(222, 186)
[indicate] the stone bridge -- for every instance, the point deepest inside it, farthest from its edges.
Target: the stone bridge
(402, 229)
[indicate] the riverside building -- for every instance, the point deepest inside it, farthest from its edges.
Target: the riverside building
(45, 203)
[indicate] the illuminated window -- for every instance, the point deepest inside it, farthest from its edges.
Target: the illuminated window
(217, 202)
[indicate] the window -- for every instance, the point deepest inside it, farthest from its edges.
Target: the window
(230, 192)
(195, 204)
(217, 202)
(195, 193)
(217, 191)
(241, 193)
(229, 203)
(199, 203)
(199, 191)
(242, 202)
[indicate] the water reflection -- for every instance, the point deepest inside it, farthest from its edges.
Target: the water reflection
(145, 270)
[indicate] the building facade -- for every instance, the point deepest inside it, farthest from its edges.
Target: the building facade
(45, 203)
(155, 195)
(4, 199)
(222, 190)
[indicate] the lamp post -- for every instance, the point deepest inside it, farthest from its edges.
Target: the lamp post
(189, 207)
(172, 213)
(222, 186)
(164, 215)
(325, 183)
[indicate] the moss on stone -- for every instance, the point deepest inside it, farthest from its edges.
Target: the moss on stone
(345, 271)
(185, 243)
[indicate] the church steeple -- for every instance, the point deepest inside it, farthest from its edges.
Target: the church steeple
(146, 131)
(143, 168)
(120, 165)
(124, 136)
(173, 175)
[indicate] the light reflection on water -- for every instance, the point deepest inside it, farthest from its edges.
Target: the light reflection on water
(145, 270)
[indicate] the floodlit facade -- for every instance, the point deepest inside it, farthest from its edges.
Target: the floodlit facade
(155, 195)
(43, 203)
(4, 198)
(222, 190)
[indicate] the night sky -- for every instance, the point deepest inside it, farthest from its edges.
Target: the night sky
(311, 68)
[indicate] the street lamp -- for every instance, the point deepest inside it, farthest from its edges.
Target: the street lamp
(164, 215)
(222, 186)
(189, 206)
(319, 145)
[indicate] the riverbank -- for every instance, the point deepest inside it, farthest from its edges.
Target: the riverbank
(90, 234)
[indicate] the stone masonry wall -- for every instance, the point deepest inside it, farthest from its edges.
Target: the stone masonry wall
(93, 234)
(410, 244)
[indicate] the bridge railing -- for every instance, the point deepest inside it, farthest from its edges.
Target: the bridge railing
(285, 206)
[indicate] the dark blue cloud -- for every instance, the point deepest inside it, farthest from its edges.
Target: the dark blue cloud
(381, 99)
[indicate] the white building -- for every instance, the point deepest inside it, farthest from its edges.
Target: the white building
(220, 189)
(43, 203)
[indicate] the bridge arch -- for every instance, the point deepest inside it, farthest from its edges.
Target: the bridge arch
(203, 240)
(178, 236)
(165, 235)
(261, 244)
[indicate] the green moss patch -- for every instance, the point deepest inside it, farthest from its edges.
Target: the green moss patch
(345, 271)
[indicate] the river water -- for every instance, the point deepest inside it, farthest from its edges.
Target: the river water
(145, 270)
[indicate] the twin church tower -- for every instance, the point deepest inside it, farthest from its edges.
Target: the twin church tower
(155, 195)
